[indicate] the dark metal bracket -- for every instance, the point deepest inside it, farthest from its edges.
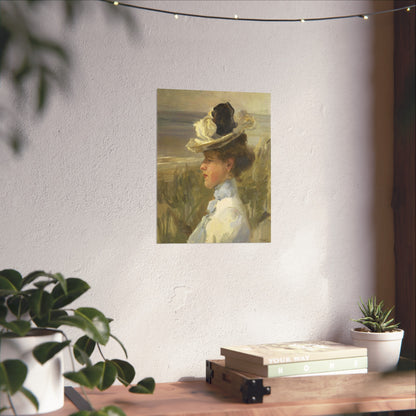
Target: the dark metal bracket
(253, 391)
(209, 372)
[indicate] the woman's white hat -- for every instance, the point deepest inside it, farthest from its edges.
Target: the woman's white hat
(218, 128)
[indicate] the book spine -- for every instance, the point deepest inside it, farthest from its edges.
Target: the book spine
(262, 358)
(309, 367)
(312, 367)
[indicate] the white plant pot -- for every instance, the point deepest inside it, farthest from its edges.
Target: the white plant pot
(44, 381)
(383, 348)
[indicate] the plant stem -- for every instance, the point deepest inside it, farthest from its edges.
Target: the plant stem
(101, 353)
(9, 398)
(19, 310)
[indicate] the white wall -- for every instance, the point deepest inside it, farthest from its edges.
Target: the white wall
(82, 198)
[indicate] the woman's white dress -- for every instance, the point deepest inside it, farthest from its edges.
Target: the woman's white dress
(225, 221)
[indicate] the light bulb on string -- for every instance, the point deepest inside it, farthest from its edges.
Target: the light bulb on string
(248, 19)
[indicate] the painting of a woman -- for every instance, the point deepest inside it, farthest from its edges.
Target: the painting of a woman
(223, 143)
(213, 167)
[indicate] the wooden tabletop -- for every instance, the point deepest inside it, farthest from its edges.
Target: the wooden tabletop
(191, 398)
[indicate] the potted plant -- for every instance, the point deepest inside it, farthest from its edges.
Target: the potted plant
(380, 335)
(34, 310)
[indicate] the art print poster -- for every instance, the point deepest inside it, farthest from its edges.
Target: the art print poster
(213, 167)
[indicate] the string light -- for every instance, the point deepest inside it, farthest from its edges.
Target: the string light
(247, 19)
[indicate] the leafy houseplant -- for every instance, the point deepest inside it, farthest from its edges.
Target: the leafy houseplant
(40, 302)
(375, 318)
(381, 335)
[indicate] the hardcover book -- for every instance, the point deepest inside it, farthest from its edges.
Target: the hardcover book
(292, 352)
(345, 365)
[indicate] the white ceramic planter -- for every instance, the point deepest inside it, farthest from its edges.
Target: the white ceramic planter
(44, 381)
(383, 348)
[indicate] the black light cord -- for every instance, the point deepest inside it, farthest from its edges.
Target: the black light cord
(247, 19)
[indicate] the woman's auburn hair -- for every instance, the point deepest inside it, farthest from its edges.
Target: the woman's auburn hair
(238, 150)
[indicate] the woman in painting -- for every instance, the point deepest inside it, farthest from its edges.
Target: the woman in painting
(224, 145)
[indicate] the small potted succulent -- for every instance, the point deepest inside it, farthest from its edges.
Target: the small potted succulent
(34, 310)
(381, 335)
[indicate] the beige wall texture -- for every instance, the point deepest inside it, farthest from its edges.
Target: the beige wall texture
(81, 199)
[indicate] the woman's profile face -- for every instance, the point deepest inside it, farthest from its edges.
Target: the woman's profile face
(215, 170)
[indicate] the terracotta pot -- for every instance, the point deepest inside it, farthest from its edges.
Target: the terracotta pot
(383, 348)
(44, 381)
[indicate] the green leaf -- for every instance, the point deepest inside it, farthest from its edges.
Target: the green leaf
(30, 396)
(75, 288)
(3, 312)
(92, 322)
(20, 73)
(389, 312)
(82, 357)
(40, 304)
(145, 386)
(55, 316)
(12, 375)
(45, 351)
(18, 305)
(43, 284)
(83, 413)
(13, 276)
(18, 327)
(110, 411)
(6, 287)
(62, 281)
(374, 317)
(75, 321)
(31, 277)
(43, 89)
(53, 277)
(105, 411)
(98, 328)
(108, 374)
(83, 349)
(125, 371)
(88, 377)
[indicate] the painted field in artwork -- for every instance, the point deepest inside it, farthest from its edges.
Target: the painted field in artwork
(182, 198)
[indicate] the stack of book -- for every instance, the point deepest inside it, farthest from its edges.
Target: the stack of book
(296, 359)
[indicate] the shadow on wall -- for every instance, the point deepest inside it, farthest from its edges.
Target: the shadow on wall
(382, 142)
(403, 201)
(363, 248)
